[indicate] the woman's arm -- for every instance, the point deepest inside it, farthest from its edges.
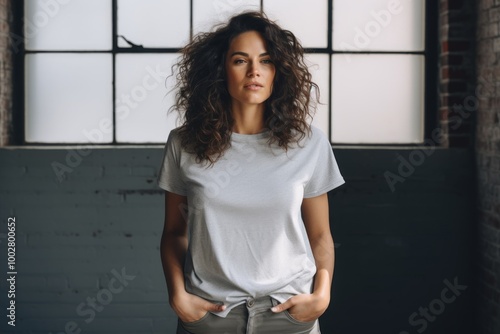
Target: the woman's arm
(174, 243)
(316, 220)
(173, 247)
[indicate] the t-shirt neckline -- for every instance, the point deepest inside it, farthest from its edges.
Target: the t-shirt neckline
(249, 137)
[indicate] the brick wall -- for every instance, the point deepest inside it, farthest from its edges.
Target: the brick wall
(488, 165)
(5, 73)
(397, 249)
(73, 235)
(456, 77)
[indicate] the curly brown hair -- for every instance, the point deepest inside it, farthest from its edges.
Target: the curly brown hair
(203, 99)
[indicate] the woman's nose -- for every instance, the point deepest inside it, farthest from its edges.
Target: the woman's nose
(253, 70)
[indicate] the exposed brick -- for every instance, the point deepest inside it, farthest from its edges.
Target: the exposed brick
(486, 4)
(496, 44)
(453, 101)
(444, 113)
(494, 14)
(451, 5)
(453, 60)
(454, 86)
(488, 162)
(457, 61)
(448, 72)
(454, 46)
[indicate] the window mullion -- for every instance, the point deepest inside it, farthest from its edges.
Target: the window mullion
(114, 50)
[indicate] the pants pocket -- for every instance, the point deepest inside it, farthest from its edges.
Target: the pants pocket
(298, 322)
(194, 326)
(291, 318)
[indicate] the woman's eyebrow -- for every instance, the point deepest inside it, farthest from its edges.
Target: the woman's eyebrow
(244, 54)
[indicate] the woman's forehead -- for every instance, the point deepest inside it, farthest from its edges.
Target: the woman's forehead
(251, 41)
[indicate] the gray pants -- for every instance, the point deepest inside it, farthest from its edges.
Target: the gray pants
(253, 317)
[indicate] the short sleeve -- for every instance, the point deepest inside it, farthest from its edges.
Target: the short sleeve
(170, 175)
(326, 175)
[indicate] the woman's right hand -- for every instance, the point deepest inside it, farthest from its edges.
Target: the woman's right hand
(189, 307)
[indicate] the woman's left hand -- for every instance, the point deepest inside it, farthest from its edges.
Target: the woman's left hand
(304, 307)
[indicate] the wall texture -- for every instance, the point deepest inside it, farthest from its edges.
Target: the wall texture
(403, 226)
(488, 165)
(457, 24)
(5, 73)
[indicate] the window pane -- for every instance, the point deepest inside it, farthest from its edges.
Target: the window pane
(153, 23)
(68, 25)
(141, 97)
(318, 65)
(377, 98)
(206, 13)
(378, 25)
(308, 20)
(68, 98)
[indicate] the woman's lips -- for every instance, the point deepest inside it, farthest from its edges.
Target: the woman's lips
(253, 87)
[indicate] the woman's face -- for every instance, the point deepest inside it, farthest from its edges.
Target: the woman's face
(250, 71)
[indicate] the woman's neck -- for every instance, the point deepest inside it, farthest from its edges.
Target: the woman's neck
(248, 119)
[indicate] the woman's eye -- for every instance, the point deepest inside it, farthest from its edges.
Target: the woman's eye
(267, 61)
(239, 61)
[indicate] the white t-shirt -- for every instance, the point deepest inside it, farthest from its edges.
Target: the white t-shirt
(246, 234)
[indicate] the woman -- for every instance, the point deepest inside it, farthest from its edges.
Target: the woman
(246, 246)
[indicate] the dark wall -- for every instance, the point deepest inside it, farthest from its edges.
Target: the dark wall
(397, 249)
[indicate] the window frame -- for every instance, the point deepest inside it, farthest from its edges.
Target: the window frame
(431, 73)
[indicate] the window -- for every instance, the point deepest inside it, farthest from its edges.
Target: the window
(95, 70)
(378, 68)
